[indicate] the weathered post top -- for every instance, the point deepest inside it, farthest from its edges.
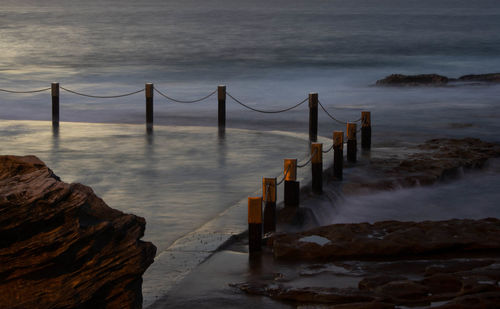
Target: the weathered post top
(55, 89)
(338, 139)
(255, 210)
(365, 119)
(221, 92)
(313, 99)
(290, 168)
(317, 153)
(149, 90)
(351, 131)
(269, 193)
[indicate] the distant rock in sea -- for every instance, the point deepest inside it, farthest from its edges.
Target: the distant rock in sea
(436, 80)
(61, 246)
(413, 80)
(492, 77)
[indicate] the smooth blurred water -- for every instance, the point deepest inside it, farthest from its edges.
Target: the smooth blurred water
(178, 178)
(474, 195)
(270, 54)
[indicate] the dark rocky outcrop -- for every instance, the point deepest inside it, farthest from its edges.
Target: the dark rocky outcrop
(437, 80)
(444, 291)
(449, 264)
(391, 240)
(308, 294)
(435, 160)
(492, 78)
(61, 246)
(413, 80)
(438, 264)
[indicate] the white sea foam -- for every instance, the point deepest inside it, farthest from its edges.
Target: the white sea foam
(319, 240)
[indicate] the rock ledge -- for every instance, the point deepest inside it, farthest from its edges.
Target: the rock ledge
(61, 246)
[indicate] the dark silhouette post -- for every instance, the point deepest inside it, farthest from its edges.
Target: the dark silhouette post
(55, 104)
(269, 195)
(221, 98)
(317, 167)
(338, 154)
(313, 117)
(149, 107)
(366, 131)
(351, 142)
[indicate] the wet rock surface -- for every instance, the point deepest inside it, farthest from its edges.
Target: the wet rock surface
(61, 246)
(391, 264)
(437, 80)
(391, 240)
(471, 282)
(435, 160)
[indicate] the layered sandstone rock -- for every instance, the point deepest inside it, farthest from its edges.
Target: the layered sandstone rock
(61, 246)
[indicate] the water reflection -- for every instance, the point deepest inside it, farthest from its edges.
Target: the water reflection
(255, 263)
(222, 133)
(55, 131)
(150, 138)
(221, 157)
(54, 150)
(177, 178)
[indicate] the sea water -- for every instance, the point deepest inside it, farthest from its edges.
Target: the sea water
(270, 54)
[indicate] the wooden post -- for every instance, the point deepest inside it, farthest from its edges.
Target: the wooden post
(351, 142)
(317, 167)
(290, 169)
(149, 107)
(221, 96)
(292, 186)
(313, 117)
(254, 224)
(366, 130)
(338, 154)
(269, 195)
(55, 104)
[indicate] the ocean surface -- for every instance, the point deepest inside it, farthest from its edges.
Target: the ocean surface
(270, 55)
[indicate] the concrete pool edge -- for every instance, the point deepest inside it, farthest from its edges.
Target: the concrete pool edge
(186, 253)
(195, 245)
